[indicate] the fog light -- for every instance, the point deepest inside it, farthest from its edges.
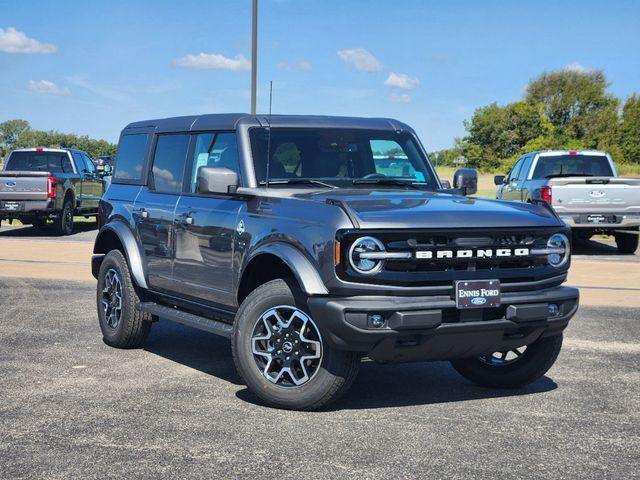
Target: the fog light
(376, 320)
(554, 310)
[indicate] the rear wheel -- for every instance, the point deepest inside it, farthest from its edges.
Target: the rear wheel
(627, 242)
(513, 368)
(280, 354)
(64, 222)
(122, 323)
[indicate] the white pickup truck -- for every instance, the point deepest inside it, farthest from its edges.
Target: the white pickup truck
(584, 189)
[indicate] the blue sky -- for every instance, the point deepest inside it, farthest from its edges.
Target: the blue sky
(91, 67)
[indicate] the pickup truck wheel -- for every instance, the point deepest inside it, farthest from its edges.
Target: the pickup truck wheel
(122, 323)
(64, 222)
(279, 352)
(514, 368)
(627, 242)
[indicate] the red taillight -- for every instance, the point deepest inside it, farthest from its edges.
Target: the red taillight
(51, 187)
(39, 149)
(545, 193)
(573, 152)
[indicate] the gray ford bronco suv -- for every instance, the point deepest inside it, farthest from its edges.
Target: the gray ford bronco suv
(313, 242)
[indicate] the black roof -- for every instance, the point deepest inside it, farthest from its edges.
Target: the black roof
(231, 121)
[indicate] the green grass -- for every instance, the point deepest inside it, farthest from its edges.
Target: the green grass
(18, 223)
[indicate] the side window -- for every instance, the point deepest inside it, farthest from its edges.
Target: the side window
(130, 158)
(515, 171)
(214, 150)
(168, 163)
(77, 159)
(91, 168)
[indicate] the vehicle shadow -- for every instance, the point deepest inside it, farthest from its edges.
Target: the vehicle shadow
(206, 352)
(28, 231)
(594, 247)
(402, 385)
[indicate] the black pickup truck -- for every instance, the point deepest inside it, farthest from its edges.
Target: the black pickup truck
(313, 242)
(38, 185)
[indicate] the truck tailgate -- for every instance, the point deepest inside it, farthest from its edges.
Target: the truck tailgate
(596, 194)
(23, 185)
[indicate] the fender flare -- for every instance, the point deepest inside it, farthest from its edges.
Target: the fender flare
(304, 271)
(131, 250)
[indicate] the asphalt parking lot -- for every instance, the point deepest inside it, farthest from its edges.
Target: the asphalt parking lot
(73, 407)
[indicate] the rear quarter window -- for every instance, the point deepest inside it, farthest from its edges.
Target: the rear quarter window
(129, 163)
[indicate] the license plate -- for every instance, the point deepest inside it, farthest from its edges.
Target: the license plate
(11, 206)
(596, 219)
(477, 293)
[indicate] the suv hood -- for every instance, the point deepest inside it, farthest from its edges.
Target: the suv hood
(418, 209)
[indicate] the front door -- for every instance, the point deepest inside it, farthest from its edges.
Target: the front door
(154, 209)
(205, 226)
(92, 184)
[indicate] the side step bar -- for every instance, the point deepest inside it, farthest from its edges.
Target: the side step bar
(188, 319)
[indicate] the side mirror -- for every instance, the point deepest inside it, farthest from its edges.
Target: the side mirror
(216, 180)
(466, 179)
(106, 168)
(499, 179)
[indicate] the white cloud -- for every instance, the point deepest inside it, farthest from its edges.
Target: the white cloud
(361, 60)
(13, 41)
(576, 67)
(213, 61)
(400, 97)
(303, 66)
(402, 80)
(47, 87)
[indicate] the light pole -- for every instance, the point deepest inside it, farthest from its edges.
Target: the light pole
(254, 55)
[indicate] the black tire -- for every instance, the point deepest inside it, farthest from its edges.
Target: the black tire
(333, 375)
(132, 326)
(64, 222)
(627, 242)
(535, 361)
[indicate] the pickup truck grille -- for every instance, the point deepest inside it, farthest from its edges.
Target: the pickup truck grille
(438, 258)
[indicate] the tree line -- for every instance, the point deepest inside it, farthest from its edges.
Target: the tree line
(565, 109)
(19, 134)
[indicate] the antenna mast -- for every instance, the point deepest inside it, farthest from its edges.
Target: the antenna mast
(269, 132)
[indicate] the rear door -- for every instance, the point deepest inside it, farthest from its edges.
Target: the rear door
(205, 225)
(154, 209)
(91, 184)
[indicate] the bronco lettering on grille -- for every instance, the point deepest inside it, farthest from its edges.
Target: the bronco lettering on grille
(468, 253)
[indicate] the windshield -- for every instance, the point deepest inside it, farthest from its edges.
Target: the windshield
(573, 165)
(340, 157)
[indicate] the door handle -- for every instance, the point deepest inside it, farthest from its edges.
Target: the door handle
(186, 219)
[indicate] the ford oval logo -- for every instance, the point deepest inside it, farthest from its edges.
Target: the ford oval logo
(479, 300)
(10, 184)
(597, 193)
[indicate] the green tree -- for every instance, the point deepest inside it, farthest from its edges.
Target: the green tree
(10, 131)
(629, 131)
(572, 100)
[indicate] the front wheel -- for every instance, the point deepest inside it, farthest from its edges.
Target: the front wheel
(280, 353)
(514, 368)
(627, 242)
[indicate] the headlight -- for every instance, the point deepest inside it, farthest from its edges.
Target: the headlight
(364, 255)
(559, 248)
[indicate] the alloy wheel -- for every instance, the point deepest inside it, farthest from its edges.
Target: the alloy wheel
(112, 298)
(286, 346)
(499, 359)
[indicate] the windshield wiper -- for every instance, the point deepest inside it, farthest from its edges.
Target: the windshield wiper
(389, 181)
(557, 175)
(298, 181)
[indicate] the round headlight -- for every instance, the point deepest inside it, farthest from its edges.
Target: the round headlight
(561, 249)
(359, 251)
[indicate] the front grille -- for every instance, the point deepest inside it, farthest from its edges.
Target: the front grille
(434, 271)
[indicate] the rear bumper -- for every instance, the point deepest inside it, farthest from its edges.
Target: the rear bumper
(431, 328)
(613, 220)
(29, 208)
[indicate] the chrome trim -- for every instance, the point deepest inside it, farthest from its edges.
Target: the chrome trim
(385, 255)
(548, 251)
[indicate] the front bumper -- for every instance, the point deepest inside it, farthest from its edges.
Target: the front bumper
(432, 328)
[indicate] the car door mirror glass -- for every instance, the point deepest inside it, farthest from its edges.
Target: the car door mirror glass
(216, 180)
(499, 179)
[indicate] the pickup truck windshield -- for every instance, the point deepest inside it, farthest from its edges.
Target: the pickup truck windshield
(340, 157)
(573, 166)
(54, 162)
